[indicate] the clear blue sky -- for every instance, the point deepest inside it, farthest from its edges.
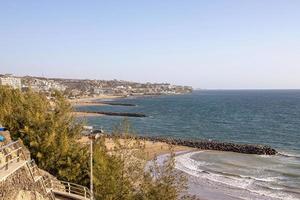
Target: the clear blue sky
(227, 44)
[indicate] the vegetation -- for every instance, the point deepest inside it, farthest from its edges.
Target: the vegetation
(131, 177)
(47, 129)
(51, 134)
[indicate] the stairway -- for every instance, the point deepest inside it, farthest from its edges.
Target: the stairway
(59, 190)
(12, 158)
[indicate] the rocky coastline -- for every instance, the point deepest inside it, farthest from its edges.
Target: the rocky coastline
(213, 145)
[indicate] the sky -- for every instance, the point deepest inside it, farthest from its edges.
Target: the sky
(208, 44)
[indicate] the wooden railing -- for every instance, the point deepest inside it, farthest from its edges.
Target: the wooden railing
(38, 176)
(10, 153)
(68, 188)
(34, 170)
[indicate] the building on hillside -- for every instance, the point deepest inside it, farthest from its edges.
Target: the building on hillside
(99, 91)
(11, 81)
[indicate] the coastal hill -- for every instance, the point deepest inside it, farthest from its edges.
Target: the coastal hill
(74, 88)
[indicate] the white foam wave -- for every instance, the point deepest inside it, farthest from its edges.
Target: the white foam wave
(192, 167)
(289, 154)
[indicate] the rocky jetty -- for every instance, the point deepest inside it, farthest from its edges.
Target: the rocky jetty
(106, 103)
(216, 145)
(117, 113)
(211, 145)
(116, 103)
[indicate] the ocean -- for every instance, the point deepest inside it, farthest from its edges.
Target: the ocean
(270, 117)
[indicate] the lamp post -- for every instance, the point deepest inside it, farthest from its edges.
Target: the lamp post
(92, 137)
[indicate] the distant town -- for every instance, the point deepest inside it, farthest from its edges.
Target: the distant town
(78, 88)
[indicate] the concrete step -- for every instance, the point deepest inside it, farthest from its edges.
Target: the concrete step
(12, 167)
(66, 196)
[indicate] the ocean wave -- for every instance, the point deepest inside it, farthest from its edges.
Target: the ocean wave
(188, 165)
(288, 154)
(260, 185)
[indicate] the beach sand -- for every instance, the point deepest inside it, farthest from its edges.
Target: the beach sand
(87, 100)
(206, 189)
(152, 149)
(201, 187)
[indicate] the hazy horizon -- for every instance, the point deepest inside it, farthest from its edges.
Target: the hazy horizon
(224, 44)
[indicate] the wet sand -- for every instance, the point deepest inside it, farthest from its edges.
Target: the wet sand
(202, 188)
(206, 189)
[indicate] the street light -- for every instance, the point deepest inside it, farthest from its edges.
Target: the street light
(92, 137)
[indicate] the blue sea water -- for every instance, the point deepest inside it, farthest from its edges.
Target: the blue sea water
(254, 116)
(269, 117)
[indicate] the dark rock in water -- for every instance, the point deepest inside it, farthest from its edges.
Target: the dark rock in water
(216, 145)
(209, 145)
(117, 113)
(116, 103)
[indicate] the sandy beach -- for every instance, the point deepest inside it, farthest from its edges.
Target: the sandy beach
(91, 100)
(152, 149)
(205, 189)
(198, 185)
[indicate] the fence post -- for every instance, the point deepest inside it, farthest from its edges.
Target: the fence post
(69, 188)
(6, 160)
(18, 155)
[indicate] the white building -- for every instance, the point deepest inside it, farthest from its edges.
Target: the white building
(11, 81)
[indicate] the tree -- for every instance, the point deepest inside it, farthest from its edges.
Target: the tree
(48, 129)
(120, 173)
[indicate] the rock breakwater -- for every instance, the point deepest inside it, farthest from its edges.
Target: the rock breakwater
(217, 145)
(117, 113)
(213, 145)
(116, 103)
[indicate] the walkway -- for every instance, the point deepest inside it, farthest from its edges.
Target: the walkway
(11, 159)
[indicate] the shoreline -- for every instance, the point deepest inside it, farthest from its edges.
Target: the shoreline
(207, 188)
(91, 100)
(198, 185)
(204, 188)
